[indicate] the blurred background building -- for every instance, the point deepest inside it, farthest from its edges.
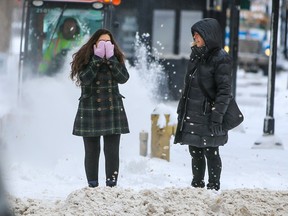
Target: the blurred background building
(163, 25)
(169, 22)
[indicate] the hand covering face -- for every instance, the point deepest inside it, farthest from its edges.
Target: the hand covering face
(109, 48)
(99, 50)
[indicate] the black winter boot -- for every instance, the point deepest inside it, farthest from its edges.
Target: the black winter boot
(93, 184)
(198, 184)
(111, 183)
(213, 186)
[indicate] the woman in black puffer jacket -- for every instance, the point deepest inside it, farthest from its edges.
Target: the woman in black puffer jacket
(199, 119)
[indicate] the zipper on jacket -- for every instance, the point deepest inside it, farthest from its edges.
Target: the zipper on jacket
(186, 98)
(205, 106)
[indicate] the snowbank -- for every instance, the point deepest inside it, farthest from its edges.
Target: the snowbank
(168, 201)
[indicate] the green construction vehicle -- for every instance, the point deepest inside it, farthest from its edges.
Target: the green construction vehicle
(51, 28)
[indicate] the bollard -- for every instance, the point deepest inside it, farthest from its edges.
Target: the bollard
(143, 136)
(160, 138)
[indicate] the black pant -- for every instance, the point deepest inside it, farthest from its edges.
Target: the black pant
(92, 154)
(199, 164)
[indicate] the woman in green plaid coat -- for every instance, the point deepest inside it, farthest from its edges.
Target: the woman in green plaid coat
(98, 67)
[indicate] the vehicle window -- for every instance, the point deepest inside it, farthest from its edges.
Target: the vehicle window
(55, 31)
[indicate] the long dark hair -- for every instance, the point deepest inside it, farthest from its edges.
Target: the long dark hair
(82, 57)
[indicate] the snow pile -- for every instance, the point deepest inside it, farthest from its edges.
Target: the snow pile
(169, 201)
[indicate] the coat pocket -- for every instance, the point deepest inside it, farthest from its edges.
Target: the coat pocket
(196, 124)
(196, 129)
(197, 118)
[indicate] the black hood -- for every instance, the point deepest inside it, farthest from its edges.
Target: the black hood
(211, 32)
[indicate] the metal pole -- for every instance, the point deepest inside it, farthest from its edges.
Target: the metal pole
(177, 32)
(269, 119)
(233, 45)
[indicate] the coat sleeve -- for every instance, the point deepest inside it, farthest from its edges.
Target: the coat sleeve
(119, 71)
(223, 81)
(89, 73)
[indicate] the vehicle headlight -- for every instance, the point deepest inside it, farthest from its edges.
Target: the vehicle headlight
(97, 5)
(37, 3)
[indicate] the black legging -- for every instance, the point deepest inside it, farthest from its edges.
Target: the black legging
(199, 165)
(92, 154)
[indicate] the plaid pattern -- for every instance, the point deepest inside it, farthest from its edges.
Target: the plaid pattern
(101, 111)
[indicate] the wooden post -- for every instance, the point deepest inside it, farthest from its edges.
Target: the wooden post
(160, 138)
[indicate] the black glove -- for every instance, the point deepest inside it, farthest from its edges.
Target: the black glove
(216, 128)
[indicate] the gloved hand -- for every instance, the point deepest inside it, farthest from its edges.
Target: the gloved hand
(216, 128)
(99, 50)
(109, 47)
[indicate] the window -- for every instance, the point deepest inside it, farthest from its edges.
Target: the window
(163, 31)
(188, 18)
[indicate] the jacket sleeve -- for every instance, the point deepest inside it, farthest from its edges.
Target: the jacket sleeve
(119, 71)
(223, 81)
(89, 73)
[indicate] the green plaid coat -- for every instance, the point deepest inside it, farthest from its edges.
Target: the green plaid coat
(101, 111)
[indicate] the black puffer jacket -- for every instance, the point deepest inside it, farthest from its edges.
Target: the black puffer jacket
(211, 66)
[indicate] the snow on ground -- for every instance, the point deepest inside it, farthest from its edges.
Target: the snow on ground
(169, 201)
(42, 163)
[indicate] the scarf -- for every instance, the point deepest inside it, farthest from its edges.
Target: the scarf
(198, 53)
